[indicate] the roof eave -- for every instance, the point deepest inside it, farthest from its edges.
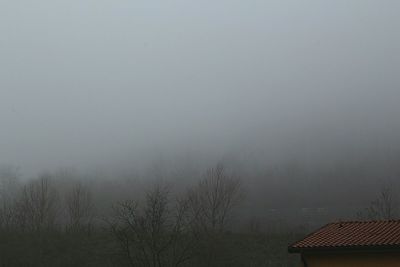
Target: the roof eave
(345, 248)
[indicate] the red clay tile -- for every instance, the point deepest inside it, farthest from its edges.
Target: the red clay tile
(360, 234)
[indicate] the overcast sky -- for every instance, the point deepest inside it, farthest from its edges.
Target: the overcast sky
(87, 81)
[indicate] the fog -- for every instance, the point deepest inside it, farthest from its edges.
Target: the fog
(104, 84)
(193, 133)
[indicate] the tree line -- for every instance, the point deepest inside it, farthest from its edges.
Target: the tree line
(43, 223)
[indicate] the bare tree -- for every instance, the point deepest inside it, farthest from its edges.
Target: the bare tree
(8, 189)
(214, 198)
(384, 207)
(156, 235)
(80, 208)
(212, 203)
(38, 205)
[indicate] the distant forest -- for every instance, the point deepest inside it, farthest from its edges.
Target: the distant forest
(220, 216)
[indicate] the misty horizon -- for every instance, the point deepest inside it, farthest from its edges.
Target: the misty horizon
(199, 133)
(95, 83)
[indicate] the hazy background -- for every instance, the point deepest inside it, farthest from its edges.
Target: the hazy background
(201, 133)
(104, 84)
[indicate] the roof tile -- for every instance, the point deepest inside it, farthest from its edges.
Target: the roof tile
(352, 234)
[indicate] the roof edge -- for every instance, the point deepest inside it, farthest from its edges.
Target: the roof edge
(361, 248)
(293, 249)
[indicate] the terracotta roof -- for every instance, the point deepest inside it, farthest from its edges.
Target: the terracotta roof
(352, 235)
